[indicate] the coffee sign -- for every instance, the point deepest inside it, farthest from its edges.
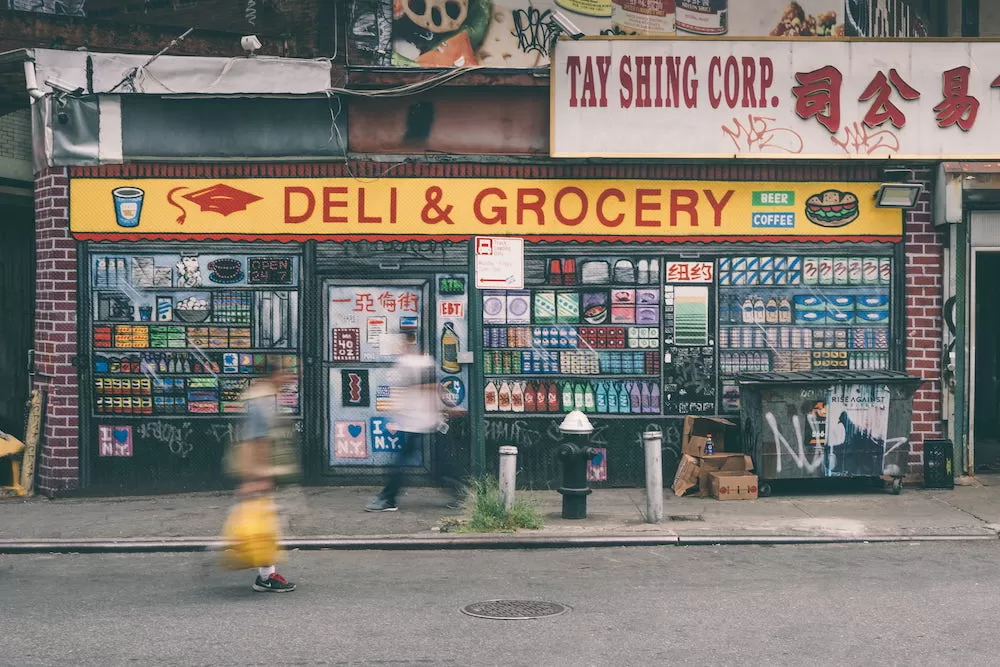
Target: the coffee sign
(775, 99)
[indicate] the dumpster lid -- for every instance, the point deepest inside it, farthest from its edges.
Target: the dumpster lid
(830, 377)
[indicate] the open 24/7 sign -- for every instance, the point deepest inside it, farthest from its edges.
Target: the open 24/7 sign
(499, 263)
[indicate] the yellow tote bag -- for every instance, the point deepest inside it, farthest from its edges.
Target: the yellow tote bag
(251, 535)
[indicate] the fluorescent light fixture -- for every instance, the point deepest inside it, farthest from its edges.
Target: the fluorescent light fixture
(898, 195)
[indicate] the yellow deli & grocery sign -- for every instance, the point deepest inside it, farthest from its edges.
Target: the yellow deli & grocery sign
(421, 208)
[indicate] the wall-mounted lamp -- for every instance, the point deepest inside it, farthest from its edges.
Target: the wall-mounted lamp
(900, 190)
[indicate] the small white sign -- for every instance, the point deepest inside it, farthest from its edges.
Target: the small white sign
(499, 263)
(449, 308)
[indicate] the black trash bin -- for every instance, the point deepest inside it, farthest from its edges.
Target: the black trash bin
(828, 424)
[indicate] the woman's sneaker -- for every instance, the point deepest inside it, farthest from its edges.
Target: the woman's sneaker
(273, 584)
(381, 505)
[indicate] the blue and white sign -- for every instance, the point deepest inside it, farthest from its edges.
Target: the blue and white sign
(384, 437)
(773, 220)
(452, 391)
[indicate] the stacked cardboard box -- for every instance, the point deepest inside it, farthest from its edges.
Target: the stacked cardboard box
(722, 475)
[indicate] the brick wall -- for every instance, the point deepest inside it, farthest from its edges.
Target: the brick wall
(15, 135)
(55, 333)
(924, 283)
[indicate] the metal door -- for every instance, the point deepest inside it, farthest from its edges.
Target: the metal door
(362, 325)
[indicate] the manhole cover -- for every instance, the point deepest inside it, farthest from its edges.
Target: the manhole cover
(514, 610)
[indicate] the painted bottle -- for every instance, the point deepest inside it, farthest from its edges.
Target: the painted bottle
(747, 311)
(449, 349)
(645, 398)
(624, 406)
(759, 311)
(784, 311)
(612, 390)
(578, 396)
(517, 397)
(567, 396)
(503, 397)
(771, 311)
(530, 397)
(601, 398)
(635, 399)
(589, 401)
(552, 398)
(490, 396)
(709, 447)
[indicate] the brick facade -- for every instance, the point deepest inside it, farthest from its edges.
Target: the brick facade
(56, 333)
(57, 323)
(924, 246)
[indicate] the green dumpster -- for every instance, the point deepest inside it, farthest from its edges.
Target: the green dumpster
(828, 424)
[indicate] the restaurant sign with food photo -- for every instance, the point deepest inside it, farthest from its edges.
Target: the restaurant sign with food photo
(521, 33)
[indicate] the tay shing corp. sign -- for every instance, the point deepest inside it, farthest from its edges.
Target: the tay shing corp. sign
(770, 99)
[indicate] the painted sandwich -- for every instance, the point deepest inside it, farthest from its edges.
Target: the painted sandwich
(832, 208)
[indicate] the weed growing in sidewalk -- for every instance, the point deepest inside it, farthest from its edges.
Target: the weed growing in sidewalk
(484, 505)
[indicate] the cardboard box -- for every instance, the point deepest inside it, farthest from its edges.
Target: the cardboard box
(687, 475)
(713, 463)
(697, 428)
(733, 485)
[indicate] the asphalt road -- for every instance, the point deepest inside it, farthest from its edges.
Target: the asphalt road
(895, 604)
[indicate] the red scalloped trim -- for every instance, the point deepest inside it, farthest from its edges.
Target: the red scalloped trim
(293, 238)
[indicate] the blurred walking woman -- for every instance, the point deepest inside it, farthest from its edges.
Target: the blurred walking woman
(256, 458)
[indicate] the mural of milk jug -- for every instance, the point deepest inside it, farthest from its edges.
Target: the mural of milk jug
(128, 205)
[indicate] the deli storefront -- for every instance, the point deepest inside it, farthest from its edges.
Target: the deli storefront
(642, 301)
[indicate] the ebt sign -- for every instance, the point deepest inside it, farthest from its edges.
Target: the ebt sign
(775, 99)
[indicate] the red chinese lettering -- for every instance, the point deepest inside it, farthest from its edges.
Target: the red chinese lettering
(408, 301)
(677, 273)
(363, 303)
(957, 107)
(883, 109)
(818, 95)
(387, 301)
(701, 272)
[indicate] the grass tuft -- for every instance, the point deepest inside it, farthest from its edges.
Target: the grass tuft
(484, 505)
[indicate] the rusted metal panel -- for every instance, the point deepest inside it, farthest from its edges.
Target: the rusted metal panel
(481, 120)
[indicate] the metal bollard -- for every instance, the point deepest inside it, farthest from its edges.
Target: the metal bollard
(508, 475)
(653, 442)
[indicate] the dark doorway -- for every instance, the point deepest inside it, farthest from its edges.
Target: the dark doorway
(986, 426)
(17, 306)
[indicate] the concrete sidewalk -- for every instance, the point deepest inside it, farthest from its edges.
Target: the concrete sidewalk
(332, 517)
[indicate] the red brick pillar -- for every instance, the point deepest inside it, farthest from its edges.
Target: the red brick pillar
(924, 247)
(55, 334)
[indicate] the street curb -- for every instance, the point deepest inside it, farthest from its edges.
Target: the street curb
(188, 545)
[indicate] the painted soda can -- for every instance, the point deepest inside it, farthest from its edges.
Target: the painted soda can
(840, 268)
(810, 271)
(869, 270)
(854, 271)
(825, 270)
(885, 270)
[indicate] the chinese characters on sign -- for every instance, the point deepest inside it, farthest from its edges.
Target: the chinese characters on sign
(891, 99)
(689, 272)
(407, 302)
